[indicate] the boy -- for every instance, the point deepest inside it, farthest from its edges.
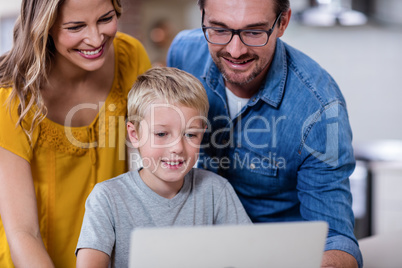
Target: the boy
(167, 111)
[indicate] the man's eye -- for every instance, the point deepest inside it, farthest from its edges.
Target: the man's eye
(220, 31)
(253, 33)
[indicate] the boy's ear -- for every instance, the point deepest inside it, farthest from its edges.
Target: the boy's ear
(133, 135)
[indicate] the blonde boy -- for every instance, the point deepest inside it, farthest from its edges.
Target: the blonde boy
(167, 111)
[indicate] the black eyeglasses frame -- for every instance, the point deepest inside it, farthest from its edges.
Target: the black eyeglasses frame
(237, 32)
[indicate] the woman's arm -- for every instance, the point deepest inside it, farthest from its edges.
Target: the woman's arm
(19, 214)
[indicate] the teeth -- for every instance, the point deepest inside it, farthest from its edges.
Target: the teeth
(239, 62)
(173, 163)
(91, 52)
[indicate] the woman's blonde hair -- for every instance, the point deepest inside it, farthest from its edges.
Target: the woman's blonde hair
(170, 85)
(25, 67)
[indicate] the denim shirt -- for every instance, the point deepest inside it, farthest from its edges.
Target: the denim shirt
(288, 152)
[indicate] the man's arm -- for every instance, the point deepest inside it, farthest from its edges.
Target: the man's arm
(338, 258)
(323, 186)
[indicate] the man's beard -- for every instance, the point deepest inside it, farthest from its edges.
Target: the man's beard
(235, 77)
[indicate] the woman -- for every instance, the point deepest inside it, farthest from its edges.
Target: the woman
(63, 89)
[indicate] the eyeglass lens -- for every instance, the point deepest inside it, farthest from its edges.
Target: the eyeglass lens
(223, 36)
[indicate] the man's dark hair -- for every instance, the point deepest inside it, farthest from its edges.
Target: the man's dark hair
(280, 5)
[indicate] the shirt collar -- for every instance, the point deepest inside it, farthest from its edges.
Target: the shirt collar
(274, 86)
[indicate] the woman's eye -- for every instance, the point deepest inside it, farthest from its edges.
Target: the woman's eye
(107, 19)
(75, 28)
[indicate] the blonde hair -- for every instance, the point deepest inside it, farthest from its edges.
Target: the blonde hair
(168, 84)
(25, 67)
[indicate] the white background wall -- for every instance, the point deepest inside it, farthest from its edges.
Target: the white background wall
(9, 10)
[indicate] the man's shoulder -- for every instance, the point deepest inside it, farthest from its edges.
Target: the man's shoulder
(188, 51)
(312, 76)
(190, 35)
(300, 60)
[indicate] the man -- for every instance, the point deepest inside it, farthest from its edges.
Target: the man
(279, 129)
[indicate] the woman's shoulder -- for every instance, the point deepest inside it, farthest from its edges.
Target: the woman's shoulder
(12, 136)
(8, 105)
(131, 60)
(126, 39)
(5, 92)
(130, 47)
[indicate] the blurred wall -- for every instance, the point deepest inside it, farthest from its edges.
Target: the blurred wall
(156, 22)
(9, 11)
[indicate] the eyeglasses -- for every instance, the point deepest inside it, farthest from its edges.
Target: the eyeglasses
(223, 36)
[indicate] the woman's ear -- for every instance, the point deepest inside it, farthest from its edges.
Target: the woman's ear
(133, 135)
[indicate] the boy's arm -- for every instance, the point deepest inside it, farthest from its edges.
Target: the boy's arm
(229, 209)
(87, 257)
(97, 237)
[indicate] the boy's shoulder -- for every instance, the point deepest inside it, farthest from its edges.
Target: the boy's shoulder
(202, 177)
(117, 183)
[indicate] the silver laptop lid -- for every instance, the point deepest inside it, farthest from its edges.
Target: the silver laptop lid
(292, 244)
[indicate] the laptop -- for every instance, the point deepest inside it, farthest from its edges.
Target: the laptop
(260, 245)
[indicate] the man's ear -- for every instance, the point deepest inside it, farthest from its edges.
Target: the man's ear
(133, 135)
(285, 19)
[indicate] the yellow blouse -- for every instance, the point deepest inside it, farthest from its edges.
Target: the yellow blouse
(67, 162)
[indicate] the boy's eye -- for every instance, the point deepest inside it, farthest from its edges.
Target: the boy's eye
(190, 135)
(160, 134)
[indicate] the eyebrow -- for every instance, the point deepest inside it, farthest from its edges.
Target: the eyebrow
(81, 22)
(258, 24)
(166, 125)
(195, 127)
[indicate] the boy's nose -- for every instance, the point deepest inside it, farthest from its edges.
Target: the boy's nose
(177, 146)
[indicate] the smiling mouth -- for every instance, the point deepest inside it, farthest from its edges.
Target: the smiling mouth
(239, 62)
(91, 52)
(173, 163)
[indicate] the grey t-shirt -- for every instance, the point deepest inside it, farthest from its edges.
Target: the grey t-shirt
(116, 206)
